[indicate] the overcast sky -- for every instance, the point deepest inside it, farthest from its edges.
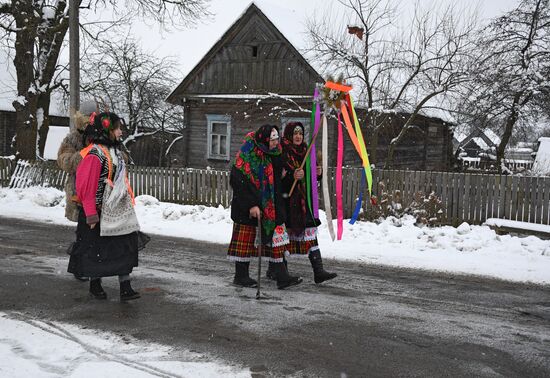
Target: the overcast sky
(290, 16)
(189, 46)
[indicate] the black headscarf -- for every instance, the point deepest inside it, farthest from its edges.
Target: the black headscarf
(293, 156)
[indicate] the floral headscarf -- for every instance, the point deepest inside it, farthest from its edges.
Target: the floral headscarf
(99, 127)
(254, 162)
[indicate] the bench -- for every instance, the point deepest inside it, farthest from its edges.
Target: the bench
(505, 226)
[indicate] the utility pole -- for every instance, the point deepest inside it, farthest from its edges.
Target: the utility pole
(74, 60)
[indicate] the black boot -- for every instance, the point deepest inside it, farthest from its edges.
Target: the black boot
(284, 279)
(242, 277)
(319, 274)
(126, 291)
(271, 272)
(96, 290)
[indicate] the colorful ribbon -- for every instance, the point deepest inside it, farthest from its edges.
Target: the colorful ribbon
(359, 144)
(339, 163)
(312, 175)
(326, 194)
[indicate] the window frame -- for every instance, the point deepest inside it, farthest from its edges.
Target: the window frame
(218, 118)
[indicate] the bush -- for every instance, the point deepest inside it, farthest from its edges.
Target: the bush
(428, 210)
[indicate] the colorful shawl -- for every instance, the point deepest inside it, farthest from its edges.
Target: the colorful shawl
(293, 156)
(254, 162)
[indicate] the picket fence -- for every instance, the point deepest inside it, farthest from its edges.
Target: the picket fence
(6, 165)
(466, 197)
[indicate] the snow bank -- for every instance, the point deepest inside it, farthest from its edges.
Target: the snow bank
(466, 249)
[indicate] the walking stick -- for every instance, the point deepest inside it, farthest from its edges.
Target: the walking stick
(259, 238)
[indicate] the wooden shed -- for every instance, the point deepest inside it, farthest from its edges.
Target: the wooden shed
(8, 131)
(252, 76)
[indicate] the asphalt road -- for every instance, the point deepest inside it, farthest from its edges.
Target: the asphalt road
(369, 322)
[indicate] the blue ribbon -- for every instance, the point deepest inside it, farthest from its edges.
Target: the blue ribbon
(360, 199)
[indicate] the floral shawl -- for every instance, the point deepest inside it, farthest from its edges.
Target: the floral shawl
(254, 162)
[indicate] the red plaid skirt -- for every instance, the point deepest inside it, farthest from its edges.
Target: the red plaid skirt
(302, 247)
(242, 247)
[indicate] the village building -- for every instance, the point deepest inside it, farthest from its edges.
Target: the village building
(253, 75)
(7, 129)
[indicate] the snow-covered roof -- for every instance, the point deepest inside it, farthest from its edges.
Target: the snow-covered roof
(443, 115)
(459, 135)
(249, 96)
(541, 165)
(6, 106)
(481, 143)
(492, 136)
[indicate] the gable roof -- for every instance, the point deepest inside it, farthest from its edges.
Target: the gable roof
(245, 59)
(484, 139)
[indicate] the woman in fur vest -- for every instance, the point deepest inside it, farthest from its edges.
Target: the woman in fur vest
(101, 183)
(68, 158)
(301, 225)
(256, 182)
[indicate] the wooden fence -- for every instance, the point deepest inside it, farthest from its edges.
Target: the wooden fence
(466, 197)
(6, 165)
(473, 198)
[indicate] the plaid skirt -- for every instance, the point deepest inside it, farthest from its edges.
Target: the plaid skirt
(303, 243)
(242, 246)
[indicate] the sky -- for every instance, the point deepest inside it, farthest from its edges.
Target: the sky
(290, 16)
(188, 46)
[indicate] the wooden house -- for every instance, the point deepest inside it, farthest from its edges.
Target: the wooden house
(427, 146)
(7, 129)
(252, 76)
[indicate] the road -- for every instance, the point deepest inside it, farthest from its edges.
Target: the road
(370, 321)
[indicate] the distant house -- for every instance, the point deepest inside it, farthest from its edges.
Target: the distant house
(478, 151)
(7, 131)
(253, 75)
(427, 145)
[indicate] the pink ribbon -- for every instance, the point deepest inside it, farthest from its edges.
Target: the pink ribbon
(313, 159)
(339, 163)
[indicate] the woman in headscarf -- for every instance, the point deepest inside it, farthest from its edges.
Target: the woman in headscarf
(108, 245)
(301, 225)
(256, 182)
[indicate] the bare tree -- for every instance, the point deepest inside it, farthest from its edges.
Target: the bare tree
(510, 87)
(134, 83)
(34, 32)
(396, 68)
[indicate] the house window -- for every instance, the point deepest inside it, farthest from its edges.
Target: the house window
(432, 129)
(219, 136)
(255, 51)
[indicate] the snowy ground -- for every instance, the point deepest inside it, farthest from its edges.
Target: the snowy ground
(34, 348)
(465, 250)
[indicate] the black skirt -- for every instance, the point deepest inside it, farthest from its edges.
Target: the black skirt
(93, 255)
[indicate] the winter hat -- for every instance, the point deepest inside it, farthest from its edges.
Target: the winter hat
(82, 117)
(88, 107)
